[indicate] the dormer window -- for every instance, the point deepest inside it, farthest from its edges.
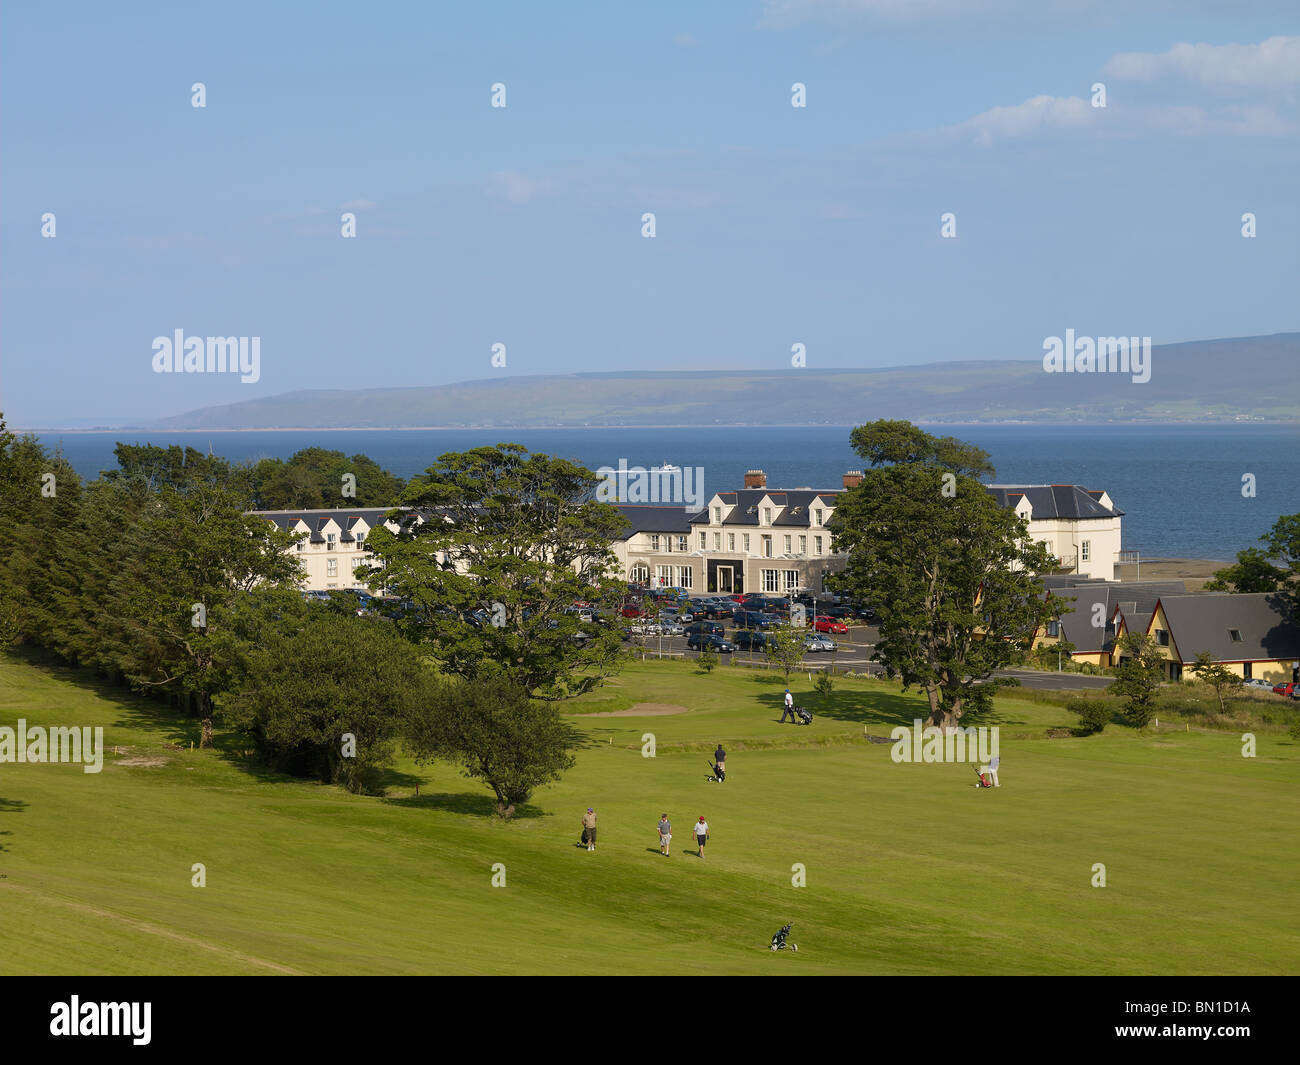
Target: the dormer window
(717, 515)
(817, 516)
(329, 541)
(767, 515)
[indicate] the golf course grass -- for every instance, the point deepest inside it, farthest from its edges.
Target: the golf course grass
(909, 868)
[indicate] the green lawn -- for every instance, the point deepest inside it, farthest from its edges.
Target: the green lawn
(910, 869)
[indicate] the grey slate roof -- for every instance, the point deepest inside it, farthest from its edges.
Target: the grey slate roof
(1054, 500)
(1135, 599)
(1202, 623)
(654, 518)
(792, 506)
(316, 520)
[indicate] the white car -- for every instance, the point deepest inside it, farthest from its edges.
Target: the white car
(818, 642)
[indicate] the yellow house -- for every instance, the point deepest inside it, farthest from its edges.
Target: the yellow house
(1250, 634)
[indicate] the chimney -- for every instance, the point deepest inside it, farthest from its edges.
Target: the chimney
(852, 479)
(755, 479)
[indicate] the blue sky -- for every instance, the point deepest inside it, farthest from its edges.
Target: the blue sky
(522, 225)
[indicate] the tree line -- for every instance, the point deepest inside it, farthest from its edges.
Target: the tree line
(155, 576)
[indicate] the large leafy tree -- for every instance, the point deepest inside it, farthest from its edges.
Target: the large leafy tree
(40, 498)
(509, 542)
(316, 477)
(1273, 568)
(498, 735)
(322, 694)
(180, 568)
(952, 575)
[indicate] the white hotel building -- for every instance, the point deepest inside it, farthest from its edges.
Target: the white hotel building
(753, 539)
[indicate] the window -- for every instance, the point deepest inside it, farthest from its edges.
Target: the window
(663, 576)
(703, 541)
(654, 541)
(1234, 635)
(640, 573)
(731, 541)
(681, 544)
(683, 576)
(361, 541)
(1162, 637)
(766, 541)
(744, 542)
(300, 545)
(717, 541)
(770, 579)
(717, 515)
(1053, 628)
(1085, 550)
(803, 545)
(329, 541)
(817, 516)
(791, 580)
(817, 543)
(331, 567)
(767, 515)
(787, 545)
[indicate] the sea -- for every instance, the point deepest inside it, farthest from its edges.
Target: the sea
(1187, 491)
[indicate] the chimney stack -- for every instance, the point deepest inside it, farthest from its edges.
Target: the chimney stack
(755, 479)
(852, 479)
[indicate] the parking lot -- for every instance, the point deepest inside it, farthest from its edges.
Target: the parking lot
(853, 653)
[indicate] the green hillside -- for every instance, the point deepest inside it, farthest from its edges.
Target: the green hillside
(909, 868)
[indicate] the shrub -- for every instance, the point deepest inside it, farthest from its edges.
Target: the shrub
(708, 660)
(824, 682)
(1094, 714)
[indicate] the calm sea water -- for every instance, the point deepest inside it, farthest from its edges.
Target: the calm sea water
(1180, 487)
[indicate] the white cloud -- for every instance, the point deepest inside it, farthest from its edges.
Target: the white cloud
(512, 186)
(1271, 64)
(1035, 116)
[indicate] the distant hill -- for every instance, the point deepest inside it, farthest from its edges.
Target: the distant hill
(1248, 378)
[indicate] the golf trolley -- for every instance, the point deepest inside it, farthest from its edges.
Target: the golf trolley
(779, 940)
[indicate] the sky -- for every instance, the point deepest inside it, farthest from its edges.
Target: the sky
(522, 225)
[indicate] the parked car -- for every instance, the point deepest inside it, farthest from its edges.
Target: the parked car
(817, 642)
(1258, 682)
(754, 619)
(646, 628)
(698, 641)
(672, 628)
(829, 624)
(750, 639)
(697, 627)
(1286, 688)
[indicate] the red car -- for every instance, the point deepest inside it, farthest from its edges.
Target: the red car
(1287, 688)
(825, 624)
(632, 612)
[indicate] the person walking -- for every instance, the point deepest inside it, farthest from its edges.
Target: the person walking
(665, 835)
(789, 708)
(701, 836)
(589, 828)
(720, 760)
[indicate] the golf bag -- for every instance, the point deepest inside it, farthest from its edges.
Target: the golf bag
(717, 774)
(586, 838)
(779, 940)
(805, 718)
(982, 779)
